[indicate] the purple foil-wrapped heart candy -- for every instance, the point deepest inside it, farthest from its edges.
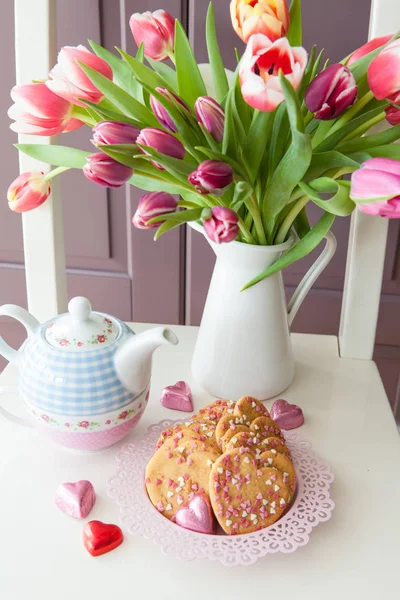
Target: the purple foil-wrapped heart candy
(178, 397)
(76, 499)
(287, 416)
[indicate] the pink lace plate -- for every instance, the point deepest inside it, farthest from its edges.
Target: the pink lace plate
(312, 506)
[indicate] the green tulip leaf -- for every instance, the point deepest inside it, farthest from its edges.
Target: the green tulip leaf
(148, 184)
(390, 151)
(167, 226)
(339, 204)
(257, 142)
(214, 55)
(190, 81)
(303, 247)
(105, 114)
(294, 35)
(122, 74)
(141, 71)
(301, 224)
(242, 192)
(370, 141)
(59, 156)
(176, 167)
(324, 161)
(168, 74)
(279, 137)
(333, 140)
(183, 216)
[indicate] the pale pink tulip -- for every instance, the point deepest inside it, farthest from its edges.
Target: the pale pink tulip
(384, 73)
(28, 191)
(260, 67)
(269, 17)
(375, 187)
(37, 111)
(156, 30)
(222, 225)
(153, 205)
(106, 171)
(368, 47)
(67, 79)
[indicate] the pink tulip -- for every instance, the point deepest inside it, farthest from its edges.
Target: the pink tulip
(163, 142)
(37, 111)
(260, 67)
(222, 226)
(384, 73)
(211, 176)
(368, 47)
(162, 113)
(28, 191)
(156, 30)
(114, 132)
(153, 205)
(211, 115)
(69, 81)
(392, 115)
(106, 171)
(331, 93)
(269, 17)
(375, 187)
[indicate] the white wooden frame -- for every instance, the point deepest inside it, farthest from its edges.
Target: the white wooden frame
(43, 229)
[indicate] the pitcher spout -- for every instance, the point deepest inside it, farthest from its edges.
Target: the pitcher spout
(133, 359)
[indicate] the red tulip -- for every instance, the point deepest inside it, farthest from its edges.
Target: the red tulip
(28, 191)
(392, 115)
(211, 115)
(384, 73)
(162, 113)
(269, 17)
(153, 205)
(260, 67)
(331, 93)
(163, 142)
(37, 111)
(69, 81)
(222, 226)
(114, 132)
(211, 176)
(156, 30)
(375, 187)
(106, 171)
(368, 47)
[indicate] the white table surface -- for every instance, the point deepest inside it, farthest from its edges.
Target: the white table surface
(354, 556)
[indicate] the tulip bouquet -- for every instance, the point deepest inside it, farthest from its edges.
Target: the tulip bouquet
(242, 153)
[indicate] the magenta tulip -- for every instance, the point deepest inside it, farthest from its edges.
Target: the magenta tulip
(153, 205)
(392, 115)
(69, 81)
(377, 42)
(156, 31)
(222, 226)
(260, 69)
(114, 132)
(37, 111)
(211, 115)
(375, 187)
(384, 73)
(211, 176)
(331, 93)
(106, 171)
(162, 114)
(163, 142)
(28, 191)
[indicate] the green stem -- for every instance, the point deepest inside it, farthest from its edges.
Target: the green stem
(254, 211)
(248, 238)
(364, 128)
(184, 204)
(352, 112)
(289, 220)
(55, 172)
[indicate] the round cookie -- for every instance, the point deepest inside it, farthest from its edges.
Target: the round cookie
(249, 409)
(175, 476)
(246, 495)
(284, 465)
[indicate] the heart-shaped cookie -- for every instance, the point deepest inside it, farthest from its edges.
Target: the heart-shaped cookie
(287, 416)
(99, 538)
(249, 408)
(197, 515)
(178, 397)
(246, 494)
(214, 411)
(76, 499)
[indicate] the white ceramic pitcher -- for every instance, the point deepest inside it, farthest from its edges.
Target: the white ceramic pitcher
(244, 345)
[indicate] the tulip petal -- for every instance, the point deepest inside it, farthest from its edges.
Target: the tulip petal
(38, 100)
(368, 47)
(369, 184)
(68, 62)
(388, 165)
(384, 72)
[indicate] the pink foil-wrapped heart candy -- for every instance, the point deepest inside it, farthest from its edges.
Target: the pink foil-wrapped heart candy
(196, 515)
(287, 416)
(178, 397)
(76, 499)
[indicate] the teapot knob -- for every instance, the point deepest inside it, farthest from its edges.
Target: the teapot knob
(80, 309)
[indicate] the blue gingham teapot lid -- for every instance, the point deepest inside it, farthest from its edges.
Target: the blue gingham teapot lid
(81, 329)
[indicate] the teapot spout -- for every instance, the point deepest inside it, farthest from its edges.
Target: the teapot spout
(133, 359)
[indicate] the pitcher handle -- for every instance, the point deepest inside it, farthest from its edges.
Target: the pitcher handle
(7, 414)
(28, 321)
(311, 276)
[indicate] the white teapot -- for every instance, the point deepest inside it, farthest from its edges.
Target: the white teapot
(84, 376)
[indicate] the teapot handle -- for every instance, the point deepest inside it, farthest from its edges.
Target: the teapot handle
(7, 414)
(23, 316)
(311, 276)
